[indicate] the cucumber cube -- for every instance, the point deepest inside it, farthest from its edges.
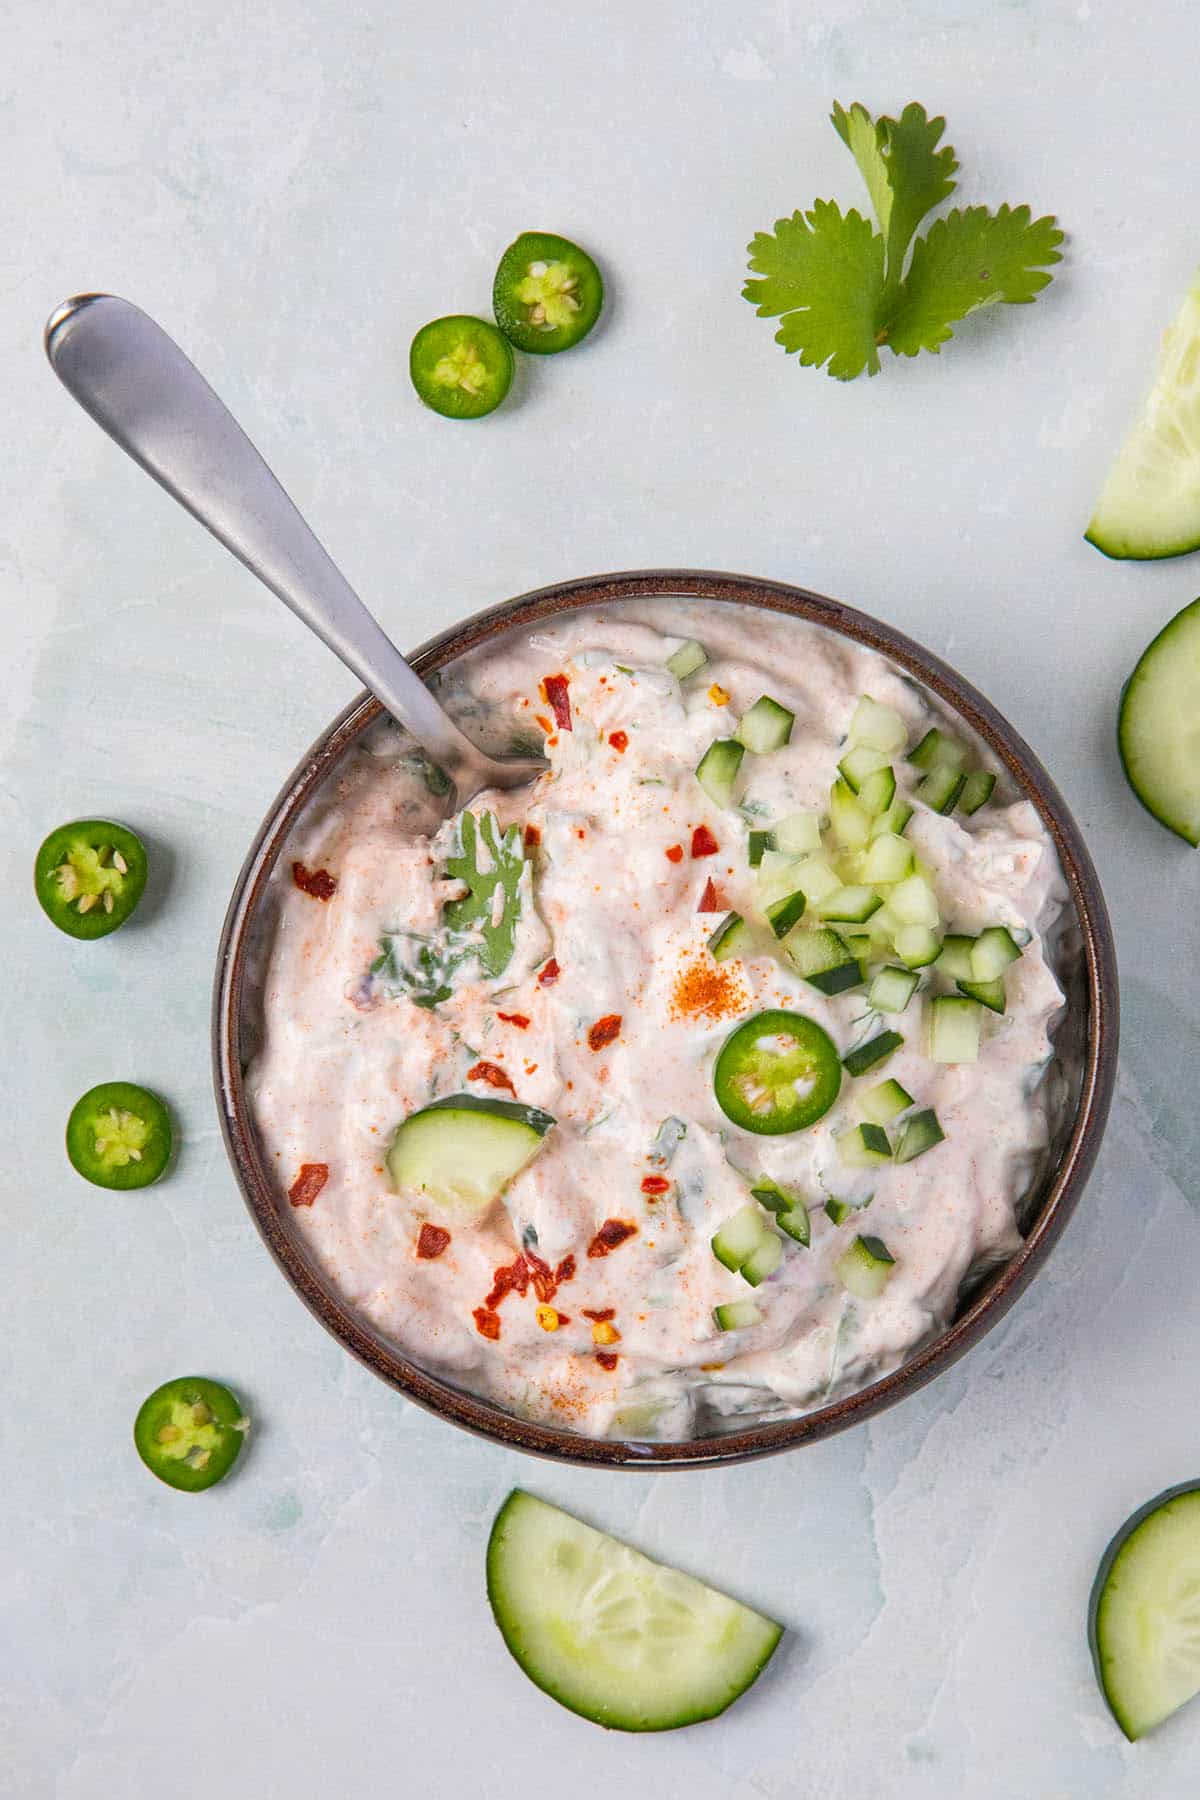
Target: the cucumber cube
(737, 1315)
(799, 834)
(866, 1056)
(953, 1029)
(858, 763)
(885, 1102)
(878, 726)
(865, 1268)
(864, 1147)
(878, 791)
(783, 914)
(767, 726)
(916, 945)
(731, 938)
(823, 960)
(954, 960)
(940, 789)
(914, 902)
(991, 954)
(815, 878)
(758, 842)
(839, 1210)
(763, 1260)
(937, 751)
(921, 1133)
(894, 820)
(853, 905)
(988, 993)
(685, 661)
(977, 791)
(796, 1223)
(739, 1237)
(892, 989)
(888, 858)
(717, 770)
(849, 820)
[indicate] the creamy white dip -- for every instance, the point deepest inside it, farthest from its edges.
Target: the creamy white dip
(611, 900)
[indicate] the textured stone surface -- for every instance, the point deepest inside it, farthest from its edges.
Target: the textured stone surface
(293, 190)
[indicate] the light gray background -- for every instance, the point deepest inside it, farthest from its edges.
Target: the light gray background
(292, 189)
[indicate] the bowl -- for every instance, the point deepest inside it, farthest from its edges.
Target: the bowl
(1085, 1040)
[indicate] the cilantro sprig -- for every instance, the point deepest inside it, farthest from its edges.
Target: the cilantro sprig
(844, 289)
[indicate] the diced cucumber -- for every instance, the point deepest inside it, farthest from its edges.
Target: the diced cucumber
(988, 993)
(849, 820)
(628, 1643)
(878, 726)
(462, 1151)
(823, 960)
(799, 834)
(878, 791)
(739, 1237)
(894, 821)
(737, 1315)
(776, 877)
(858, 1061)
(884, 1103)
(953, 1029)
(937, 750)
(767, 726)
(892, 989)
(887, 859)
(1144, 1614)
(796, 1223)
(839, 1210)
(783, 914)
(977, 791)
(919, 1134)
(861, 946)
(1156, 730)
(991, 954)
(916, 945)
(954, 959)
(768, 1193)
(757, 842)
(864, 1147)
(858, 763)
(940, 789)
(865, 1268)
(732, 937)
(815, 878)
(717, 770)
(914, 902)
(685, 661)
(763, 1260)
(852, 905)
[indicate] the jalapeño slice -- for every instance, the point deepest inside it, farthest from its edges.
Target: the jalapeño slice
(119, 1136)
(462, 367)
(89, 876)
(777, 1072)
(190, 1432)
(547, 293)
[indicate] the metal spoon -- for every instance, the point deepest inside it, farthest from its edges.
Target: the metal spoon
(141, 389)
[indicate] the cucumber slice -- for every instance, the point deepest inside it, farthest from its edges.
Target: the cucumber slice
(839, 1210)
(916, 945)
(988, 993)
(865, 1269)
(783, 914)
(954, 959)
(857, 1062)
(1144, 1614)
(849, 905)
(739, 1237)
(941, 788)
(763, 1260)
(1156, 730)
(977, 791)
(766, 727)
(823, 960)
(717, 770)
(879, 726)
(626, 1642)
(858, 763)
(732, 937)
(737, 1315)
(849, 820)
(892, 989)
(893, 821)
(991, 954)
(888, 858)
(884, 1103)
(1150, 504)
(921, 1133)
(878, 791)
(937, 751)
(864, 1147)
(953, 1029)
(685, 661)
(799, 834)
(796, 1223)
(914, 902)
(758, 842)
(462, 1152)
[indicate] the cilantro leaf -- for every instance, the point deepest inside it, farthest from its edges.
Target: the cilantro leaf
(493, 900)
(971, 258)
(824, 275)
(906, 174)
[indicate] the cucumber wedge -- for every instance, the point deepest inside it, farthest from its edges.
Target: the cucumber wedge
(1157, 726)
(1144, 1615)
(626, 1642)
(1150, 505)
(462, 1152)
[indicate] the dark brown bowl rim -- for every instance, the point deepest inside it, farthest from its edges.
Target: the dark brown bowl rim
(1100, 1058)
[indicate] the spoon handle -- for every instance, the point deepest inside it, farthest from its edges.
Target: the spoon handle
(141, 389)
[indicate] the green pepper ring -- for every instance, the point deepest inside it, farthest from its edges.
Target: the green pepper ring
(119, 1135)
(568, 293)
(189, 1432)
(461, 367)
(80, 866)
(755, 1086)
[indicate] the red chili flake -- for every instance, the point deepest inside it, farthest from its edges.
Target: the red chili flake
(601, 1317)
(319, 883)
(612, 1233)
(555, 689)
(543, 721)
(492, 1073)
(533, 837)
(675, 853)
(308, 1183)
(432, 1241)
(655, 1184)
(711, 900)
(606, 1359)
(542, 1275)
(619, 740)
(565, 1270)
(517, 1019)
(487, 1323)
(548, 973)
(604, 1031)
(510, 1278)
(703, 842)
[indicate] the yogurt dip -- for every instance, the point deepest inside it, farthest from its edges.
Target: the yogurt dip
(581, 983)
